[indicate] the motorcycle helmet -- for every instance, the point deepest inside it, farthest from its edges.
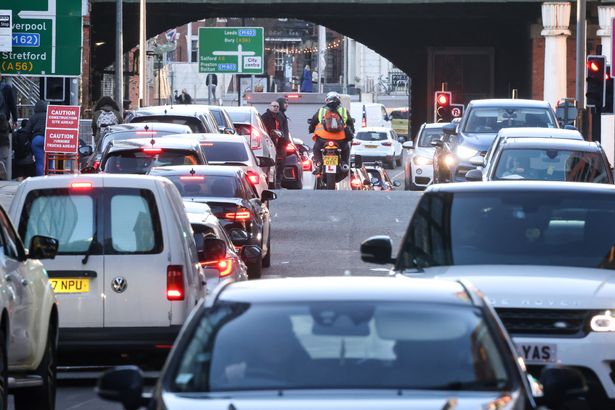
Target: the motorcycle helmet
(333, 99)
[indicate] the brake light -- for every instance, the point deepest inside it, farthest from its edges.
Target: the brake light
(356, 182)
(356, 143)
(152, 151)
(192, 178)
(306, 164)
(175, 282)
(253, 177)
(207, 144)
(387, 143)
(242, 214)
(256, 138)
(225, 266)
(96, 164)
(290, 149)
(81, 186)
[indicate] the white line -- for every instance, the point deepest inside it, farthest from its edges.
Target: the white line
(401, 173)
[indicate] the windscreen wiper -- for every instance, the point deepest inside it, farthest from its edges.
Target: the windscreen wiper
(473, 385)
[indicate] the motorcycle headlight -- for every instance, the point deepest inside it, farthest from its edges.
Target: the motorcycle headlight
(465, 152)
(449, 160)
(603, 322)
(418, 160)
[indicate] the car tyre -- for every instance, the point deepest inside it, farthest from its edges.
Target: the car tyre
(399, 161)
(42, 397)
(255, 270)
(4, 372)
(267, 258)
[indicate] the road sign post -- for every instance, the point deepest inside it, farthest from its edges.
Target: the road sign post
(46, 39)
(231, 50)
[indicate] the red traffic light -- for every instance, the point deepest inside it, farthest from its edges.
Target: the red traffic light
(442, 98)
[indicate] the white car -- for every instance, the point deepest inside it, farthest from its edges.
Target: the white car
(418, 161)
(127, 271)
(225, 149)
(377, 144)
(28, 321)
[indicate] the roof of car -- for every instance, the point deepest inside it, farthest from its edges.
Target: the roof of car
(508, 102)
(374, 129)
(539, 187)
(151, 126)
(166, 142)
(436, 124)
(540, 132)
(345, 288)
(196, 208)
(243, 108)
(221, 138)
(96, 180)
(551, 143)
(198, 170)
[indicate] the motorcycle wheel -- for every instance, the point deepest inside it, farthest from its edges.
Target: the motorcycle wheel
(331, 181)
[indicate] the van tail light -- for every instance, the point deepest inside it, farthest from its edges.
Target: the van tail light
(253, 177)
(256, 138)
(306, 164)
(242, 214)
(175, 283)
(356, 143)
(152, 151)
(387, 143)
(81, 186)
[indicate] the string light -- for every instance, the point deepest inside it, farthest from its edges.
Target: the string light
(306, 50)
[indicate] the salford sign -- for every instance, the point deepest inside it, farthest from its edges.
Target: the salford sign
(231, 50)
(46, 39)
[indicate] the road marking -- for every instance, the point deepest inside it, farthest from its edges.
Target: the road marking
(379, 269)
(402, 172)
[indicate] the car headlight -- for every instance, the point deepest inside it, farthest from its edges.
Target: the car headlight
(418, 160)
(465, 152)
(603, 322)
(449, 160)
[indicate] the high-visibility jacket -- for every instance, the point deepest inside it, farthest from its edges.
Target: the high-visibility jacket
(327, 135)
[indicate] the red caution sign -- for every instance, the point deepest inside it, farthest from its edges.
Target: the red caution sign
(62, 131)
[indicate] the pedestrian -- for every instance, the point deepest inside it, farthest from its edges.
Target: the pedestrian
(183, 98)
(106, 113)
(306, 80)
(8, 118)
(281, 142)
(23, 157)
(8, 102)
(212, 83)
(36, 127)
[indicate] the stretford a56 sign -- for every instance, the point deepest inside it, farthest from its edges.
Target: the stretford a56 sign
(46, 38)
(231, 50)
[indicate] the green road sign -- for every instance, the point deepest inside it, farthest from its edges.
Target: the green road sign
(46, 37)
(231, 50)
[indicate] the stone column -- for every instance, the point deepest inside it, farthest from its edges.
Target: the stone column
(555, 20)
(605, 14)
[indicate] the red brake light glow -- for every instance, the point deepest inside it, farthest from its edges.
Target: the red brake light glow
(152, 151)
(96, 164)
(207, 144)
(225, 266)
(81, 186)
(192, 178)
(242, 214)
(253, 177)
(387, 143)
(356, 143)
(175, 282)
(293, 96)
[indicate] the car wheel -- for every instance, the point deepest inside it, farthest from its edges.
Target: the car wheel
(42, 397)
(267, 258)
(399, 160)
(4, 378)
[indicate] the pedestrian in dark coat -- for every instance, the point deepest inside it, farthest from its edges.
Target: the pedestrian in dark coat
(36, 127)
(106, 113)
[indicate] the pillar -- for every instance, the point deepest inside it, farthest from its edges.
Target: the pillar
(605, 15)
(555, 20)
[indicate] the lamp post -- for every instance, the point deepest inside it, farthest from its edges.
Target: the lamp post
(118, 85)
(142, 53)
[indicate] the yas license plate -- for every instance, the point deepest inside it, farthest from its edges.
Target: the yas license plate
(537, 353)
(330, 160)
(70, 285)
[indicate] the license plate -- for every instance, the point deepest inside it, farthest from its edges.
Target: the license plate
(70, 285)
(330, 160)
(534, 353)
(371, 146)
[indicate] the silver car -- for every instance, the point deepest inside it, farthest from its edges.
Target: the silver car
(338, 343)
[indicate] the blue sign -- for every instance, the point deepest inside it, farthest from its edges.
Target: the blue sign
(227, 67)
(247, 32)
(26, 39)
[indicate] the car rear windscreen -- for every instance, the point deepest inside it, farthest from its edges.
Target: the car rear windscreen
(126, 135)
(194, 123)
(220, 151)
(240, 116)
(371, 136)
(190, 186)
(139, 162)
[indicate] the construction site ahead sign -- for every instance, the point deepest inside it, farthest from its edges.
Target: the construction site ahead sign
(231, 50)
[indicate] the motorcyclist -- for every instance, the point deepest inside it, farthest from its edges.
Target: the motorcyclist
(321, 135)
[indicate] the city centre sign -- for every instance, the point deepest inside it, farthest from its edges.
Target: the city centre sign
(46, 39)
(231, 50)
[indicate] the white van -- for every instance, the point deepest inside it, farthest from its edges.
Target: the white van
(369, 115)
(127, 272)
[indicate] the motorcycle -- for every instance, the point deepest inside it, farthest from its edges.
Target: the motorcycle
(332, 168)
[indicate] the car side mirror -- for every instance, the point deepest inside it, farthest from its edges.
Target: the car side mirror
(213, 250)
(396, 183)
(477, 161)
(123, 384)
(85, 150)
(437, 143)
(42, 247)
(562, 384)
(377, 249)
(408, 144)
(450, 129)
(268, 195)
(265, 162)
(250, 253)
(474, 175)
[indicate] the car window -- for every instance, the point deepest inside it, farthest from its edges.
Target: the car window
(371, 136)
(399, 115)
(219, 118)
(551, 165)
(337, 345)
(493, 119)
(191, 186)
(12, 248)
(67, 217)
(139, 162)
(221, 151)
(428, 135)
(126, 135)
(240, 116)
(135, 223)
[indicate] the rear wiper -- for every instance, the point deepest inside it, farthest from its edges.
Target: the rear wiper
(473, 385)
(93, 244)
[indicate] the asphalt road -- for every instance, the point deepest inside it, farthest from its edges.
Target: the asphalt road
(313, 233)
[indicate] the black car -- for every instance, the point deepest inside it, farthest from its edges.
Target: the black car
(234, 200)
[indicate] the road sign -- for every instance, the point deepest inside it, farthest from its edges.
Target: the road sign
(62, 129)
(457, 110)
(46, 39)
(6, 17)
(231, 50)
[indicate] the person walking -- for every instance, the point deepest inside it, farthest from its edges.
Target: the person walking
(106, 113)
(23, 158)
(212, 83)
(306, 80)
(36, 127)
(8, 118)
(184, 97)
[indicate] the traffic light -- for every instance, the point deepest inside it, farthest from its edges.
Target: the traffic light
(608, 91)
(442, 106)
(596, 70)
